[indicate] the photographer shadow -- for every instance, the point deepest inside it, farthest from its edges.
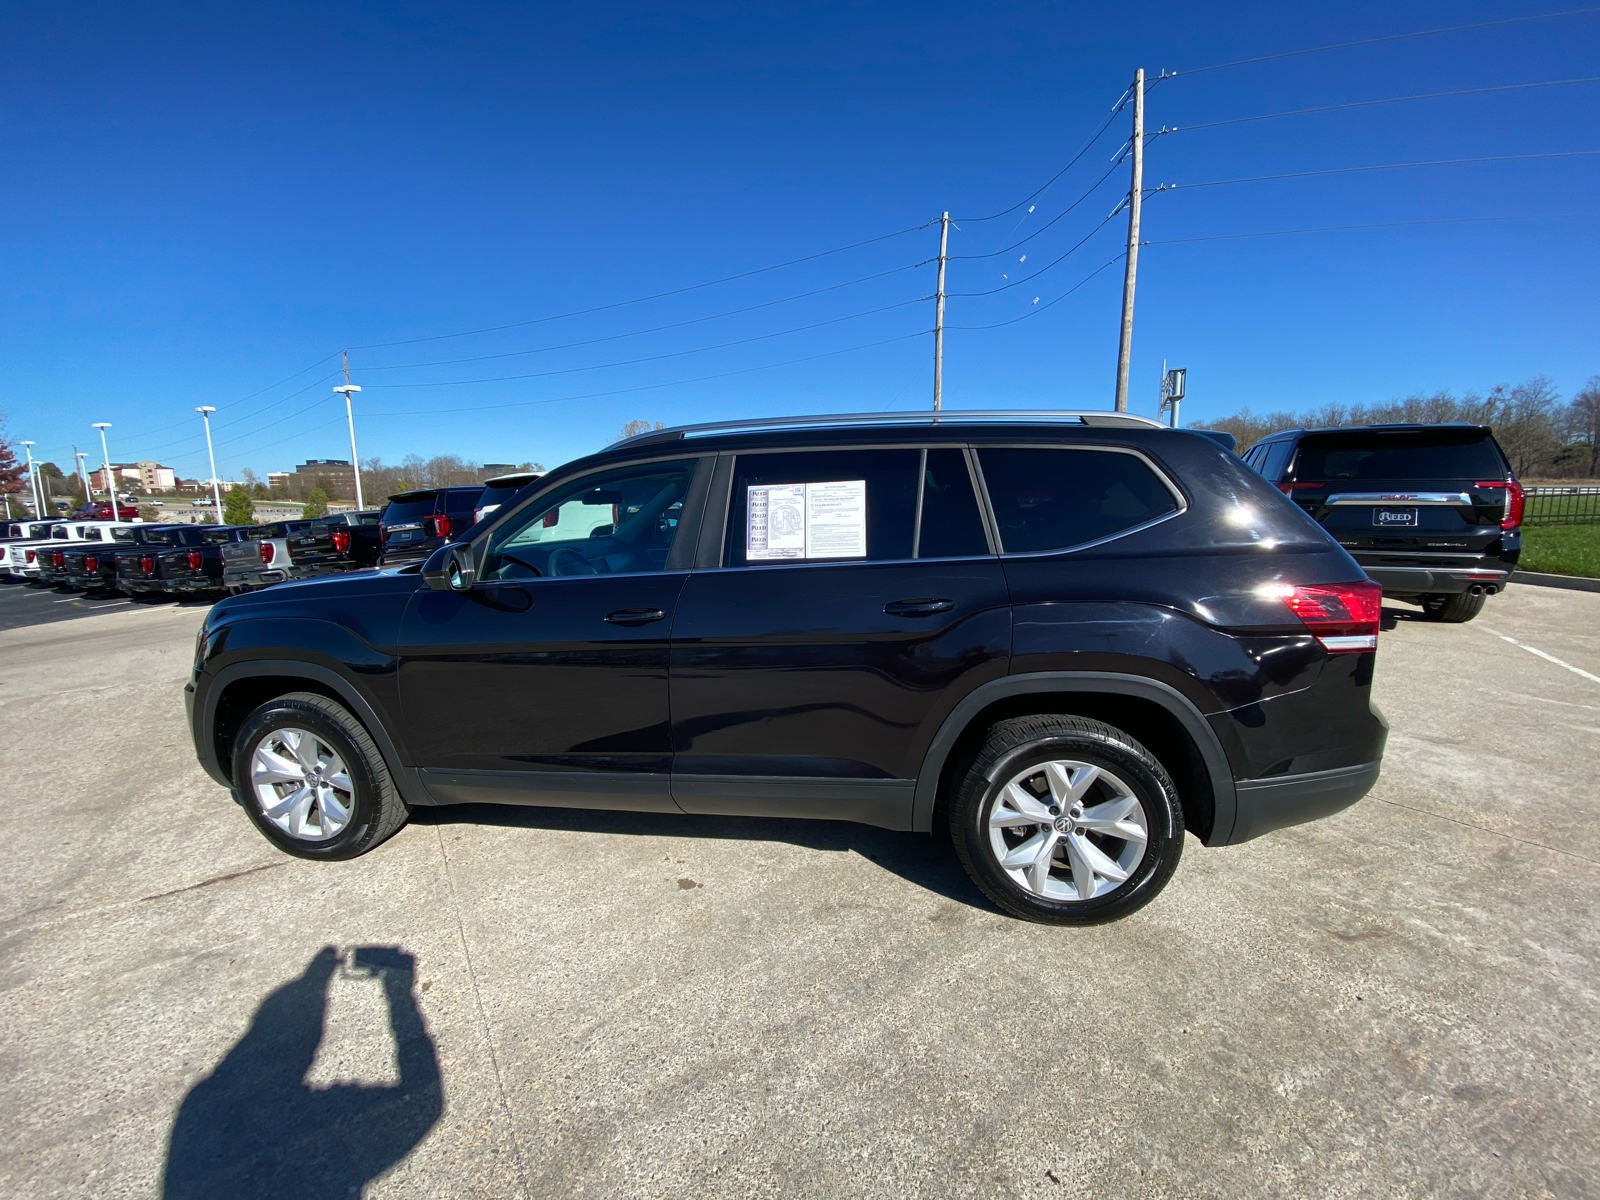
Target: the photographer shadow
(254, 1128)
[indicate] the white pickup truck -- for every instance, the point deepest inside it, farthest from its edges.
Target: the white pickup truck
(31, 559)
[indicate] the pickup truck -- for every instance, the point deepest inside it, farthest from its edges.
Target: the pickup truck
(25, 536)
(92, 571)
(171, 549)
(195, 569)
(335, 544)
(34, 559)
(263, 558)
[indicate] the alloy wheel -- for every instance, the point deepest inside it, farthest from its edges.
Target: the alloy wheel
(301, 784)
(1067, 830)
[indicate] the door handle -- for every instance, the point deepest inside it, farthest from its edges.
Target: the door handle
(635, 616)
(917, 608)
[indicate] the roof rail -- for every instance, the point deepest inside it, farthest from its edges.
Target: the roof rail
(983, 415)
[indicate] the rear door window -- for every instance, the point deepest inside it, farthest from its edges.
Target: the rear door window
(463, 501)
(1049, 498)
(951, 525)
(822, 506)
(1419, 455)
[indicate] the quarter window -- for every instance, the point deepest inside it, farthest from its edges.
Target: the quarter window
(1052, 499)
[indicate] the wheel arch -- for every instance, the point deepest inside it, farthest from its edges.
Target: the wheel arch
(1161, 717)
(242, 687)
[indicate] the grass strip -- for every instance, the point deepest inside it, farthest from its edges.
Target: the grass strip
(1561, 549)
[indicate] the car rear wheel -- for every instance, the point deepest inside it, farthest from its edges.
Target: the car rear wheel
(1066, 820)
(1453, 610)
(313, 780)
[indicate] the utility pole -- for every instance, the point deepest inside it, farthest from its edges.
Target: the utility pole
(33, 482)
(1131, 270)
(111, 476)
(349, 413)
(938, 317)
(205, 411)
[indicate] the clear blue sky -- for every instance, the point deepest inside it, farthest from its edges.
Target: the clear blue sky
(197, 202)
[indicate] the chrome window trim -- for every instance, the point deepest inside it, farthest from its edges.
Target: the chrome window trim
(1166, 481)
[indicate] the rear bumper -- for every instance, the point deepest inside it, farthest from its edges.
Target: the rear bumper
(1267, 804)
(1418, 581)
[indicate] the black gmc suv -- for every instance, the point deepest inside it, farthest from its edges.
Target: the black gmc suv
(1432, 512)
(415, 524)
(1063, 639)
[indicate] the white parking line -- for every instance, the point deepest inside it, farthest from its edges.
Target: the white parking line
(1546, 657)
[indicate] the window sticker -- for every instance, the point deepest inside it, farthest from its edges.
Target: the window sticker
(806, 520)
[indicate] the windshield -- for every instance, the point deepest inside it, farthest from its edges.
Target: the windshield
(1426, 454)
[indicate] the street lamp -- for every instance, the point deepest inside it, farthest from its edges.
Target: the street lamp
(205, 411)
(111, 476)
(78, 457)
(33, 482)
(347, 387)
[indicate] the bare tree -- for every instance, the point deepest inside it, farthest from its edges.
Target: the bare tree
(635, 428)
(1582, 426)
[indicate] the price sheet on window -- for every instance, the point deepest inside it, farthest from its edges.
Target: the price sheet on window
(806, 520)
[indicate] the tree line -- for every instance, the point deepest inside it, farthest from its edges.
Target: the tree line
(1544, 435)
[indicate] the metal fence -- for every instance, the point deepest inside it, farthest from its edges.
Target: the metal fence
(1578, 505)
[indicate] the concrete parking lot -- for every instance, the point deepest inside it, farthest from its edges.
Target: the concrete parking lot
(1401, 1001)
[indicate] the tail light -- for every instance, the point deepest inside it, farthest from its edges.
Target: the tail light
(1289, 489)
(195, 559)
(30, 555)
(147, 564)
(438, 526)
(341, 540)
(268, 552)
(91, 565)
(1516, 501)
(1343, 616)
(58, 560)
(552, 518)
(383, 535)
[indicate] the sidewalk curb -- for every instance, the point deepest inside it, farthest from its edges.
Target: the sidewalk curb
(1574, 583)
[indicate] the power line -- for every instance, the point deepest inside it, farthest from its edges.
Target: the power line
(1300, 112)
(650, 387)
(1029, 279)
(655, 357)
(582, 312)
(1039, 308)
(1227, 237)
(1093, 138)
(1393, 37)
(1042, 228)
(655, 329)
(1437, 162)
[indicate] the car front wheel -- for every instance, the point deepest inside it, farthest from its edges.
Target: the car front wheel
(313, 780)
(1066, 820)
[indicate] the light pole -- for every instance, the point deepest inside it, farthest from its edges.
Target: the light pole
(111, 476)
(205, 411)
(78, 457)
(33, 482)
(349, 413)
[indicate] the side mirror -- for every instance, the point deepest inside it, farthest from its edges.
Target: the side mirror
(451, 568)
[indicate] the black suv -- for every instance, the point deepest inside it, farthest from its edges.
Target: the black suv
(415, 524)
(1431, 511)
(1062, 639)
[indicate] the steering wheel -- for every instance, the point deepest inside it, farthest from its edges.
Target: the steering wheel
(521, 562)
(567, 561)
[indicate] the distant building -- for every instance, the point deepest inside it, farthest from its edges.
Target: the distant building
(145, 475)
(277, 480)
(339, 474)
(490, 470)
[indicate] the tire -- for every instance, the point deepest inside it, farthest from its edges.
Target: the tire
(363, 793)
(1000, 789)
(1452, 610)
